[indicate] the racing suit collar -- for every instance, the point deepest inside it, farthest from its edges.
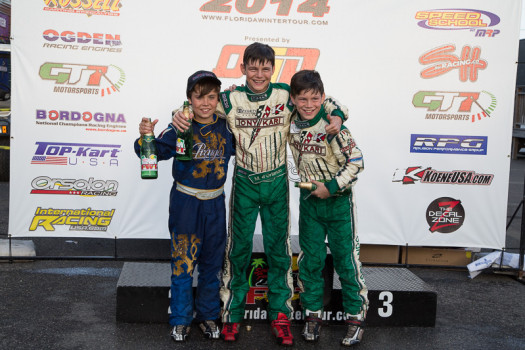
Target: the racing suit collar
(261, 96)
(302, 124)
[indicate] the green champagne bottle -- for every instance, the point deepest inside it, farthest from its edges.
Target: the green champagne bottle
(306, 185)
(184, 146)
(148, 157)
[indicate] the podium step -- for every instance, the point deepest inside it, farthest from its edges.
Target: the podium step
(397, 296)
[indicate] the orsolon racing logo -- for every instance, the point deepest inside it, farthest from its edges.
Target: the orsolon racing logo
(78, 219)
(76, 187)
(445, 215)
(88, 7)
(455, 105)
(83, 41)
(288, 60)
(58, 153)
(457, 19)
(85, 79)
(442, 60)
(448, 144)
(414, 174)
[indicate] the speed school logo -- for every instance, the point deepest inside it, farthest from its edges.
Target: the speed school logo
(455, 105)
(78, 219)
(442, 60)
(75, 187)
(81, 41)
(476, 21)
(414, 174)
(448, 144)
(445, 215)
(288, 60)
(88, 7)
(84, 79)
(58, 153)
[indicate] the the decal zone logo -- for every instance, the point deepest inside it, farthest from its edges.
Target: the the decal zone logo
(445, 215)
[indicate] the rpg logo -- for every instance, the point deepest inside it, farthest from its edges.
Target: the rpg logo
(83, 78)
(448, 144)
(445, 215)
(449, 105)
(288, 61)
(442, 60)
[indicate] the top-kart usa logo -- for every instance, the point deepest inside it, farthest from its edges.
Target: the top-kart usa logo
(83, 78)
(454, 19)
(442, 60)
(59, 153)
(288, 60)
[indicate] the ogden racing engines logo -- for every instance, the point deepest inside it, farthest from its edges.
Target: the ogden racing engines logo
(57, 153)
(445, 215)
(72, 78)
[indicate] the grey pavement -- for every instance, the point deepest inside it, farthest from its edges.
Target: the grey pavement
(71, 304)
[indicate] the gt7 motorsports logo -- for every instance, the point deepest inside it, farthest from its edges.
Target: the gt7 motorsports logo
(58, 153)
(442, 60)
(454, 19)
(88, 7)
(78, 219)
(85, 79)
(288, 61)
(445, 215)
(448, 144)
(414, 174)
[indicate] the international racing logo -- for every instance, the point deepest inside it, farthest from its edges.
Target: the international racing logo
(414, 174)
(442, 60)
(455, 105)
(75, 187)
(88, 7)
(288, 60)
(445, 215)
(457, 19)
(87, 79)
(77, 219)
(58, 153)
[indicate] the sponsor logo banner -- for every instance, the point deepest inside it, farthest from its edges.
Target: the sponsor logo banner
(442, 60)
(58, 153)
(455, 105)
(92, 121)
(76, 187)
(445, 215)
(454, 19)
(428, 175)
(84, 79)
(88, 7)
(77, 219)
(81, 41)
(448, 144)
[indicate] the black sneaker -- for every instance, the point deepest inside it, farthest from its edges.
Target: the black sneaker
(354, 330)
(210, 329)
(180, 333)
(312, 326)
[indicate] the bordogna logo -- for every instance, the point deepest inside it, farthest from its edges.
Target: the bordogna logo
(414, 174)
(88, 7)
(445, 215)
(78, 219)
(288, 61)
(78, 187)
(448, 144)
(83, 78)
(454, 19)
(455, 105)
(58, 153)
(442, 61)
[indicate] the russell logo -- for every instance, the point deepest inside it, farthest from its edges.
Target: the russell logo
(445, 215)
(88, 7)
(454, 19)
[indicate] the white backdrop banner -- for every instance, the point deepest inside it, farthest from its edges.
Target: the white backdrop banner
(429, 85)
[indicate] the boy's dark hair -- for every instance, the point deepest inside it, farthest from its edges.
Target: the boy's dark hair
(306, 80)
(258, 53)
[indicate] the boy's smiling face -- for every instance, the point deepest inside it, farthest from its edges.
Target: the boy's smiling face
(308, 103)
(258, 75)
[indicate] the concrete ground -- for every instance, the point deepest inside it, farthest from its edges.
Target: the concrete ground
(70, 304)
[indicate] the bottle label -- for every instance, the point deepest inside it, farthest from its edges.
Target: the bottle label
(180, 148)
(149, 163)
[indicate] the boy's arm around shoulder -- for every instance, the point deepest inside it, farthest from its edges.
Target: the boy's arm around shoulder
(335, 109)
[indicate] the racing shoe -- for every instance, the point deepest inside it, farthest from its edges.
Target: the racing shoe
(210, 329)
(281, 330)
(312, 326)
(354, 330)
(230, 331)
(180, 333)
